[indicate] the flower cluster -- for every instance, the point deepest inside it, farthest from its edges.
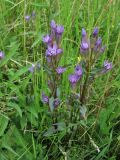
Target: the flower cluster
(94, 44)
(90, 49)
(53, 54)
(53, 40)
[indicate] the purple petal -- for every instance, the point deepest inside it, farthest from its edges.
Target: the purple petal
(60, 70)
(78, 70)
(102, 49)
(47, 39)
(45, 99)
(59, 51)
(53, 25)
(56, 103)
(84, 32)
(32, 68)
(95, 32)
(2, 55)
(59, 29)
(99, 42)
(73, 78)
(107, 65)
(27, 17)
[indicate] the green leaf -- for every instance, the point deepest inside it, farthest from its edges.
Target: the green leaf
(13, 47)
(50, 131)
(58, 92)
(3, 124)
(10, 149)
(19, 73)
(43, 5)
(51, 100)
(15, 106)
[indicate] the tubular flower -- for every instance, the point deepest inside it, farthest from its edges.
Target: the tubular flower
(56, 103)
(78, 70)
(53, 50)
(107, 65)
(60, 70)
(2, 55)
(95, 32)
(45, 99)
(84, 48)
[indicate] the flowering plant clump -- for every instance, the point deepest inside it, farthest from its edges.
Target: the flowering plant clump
(91, 49)
(53, 55)
(85, 72)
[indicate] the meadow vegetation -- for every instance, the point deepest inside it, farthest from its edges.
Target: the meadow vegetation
(59, 80)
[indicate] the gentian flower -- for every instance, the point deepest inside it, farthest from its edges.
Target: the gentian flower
(78, 70)
(99, 42)
(95, 32)
(56, 103)
(59, 30)
(45, 99)
(53, 25)
(84, 48)
(27, 17)
(107, 65)
(32, 68)
(84, 34)
(98, 45)
(60, 70)
(53, 50)
(47, 39)
(73, 78)
(102, 49)
(1, 55)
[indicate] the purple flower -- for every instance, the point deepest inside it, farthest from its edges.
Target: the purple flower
(84, 48)
(78, 70)
(2, 55)
(84, 32)
(102, 49)
(27, 17)
(73, 78)
(107, 65)
(45, 99)
(98, 45)
(32, 68)
(60, 70)
(53, 25)
(48, 59)
(47, 39)
(95, 32)
(53, 51)
(56, 103)
(59, 30)
(99, 42)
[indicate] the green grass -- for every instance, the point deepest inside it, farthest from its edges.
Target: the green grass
(25, 124)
